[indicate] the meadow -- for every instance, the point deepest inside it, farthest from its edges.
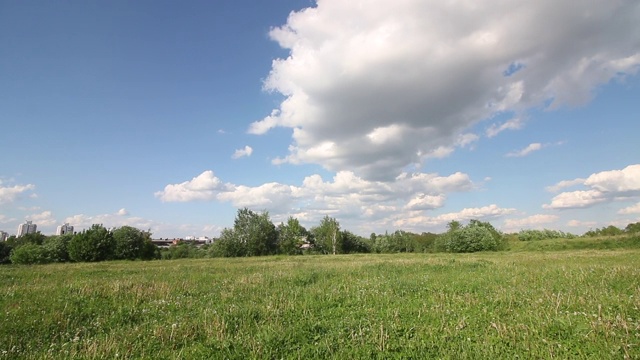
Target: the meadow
(521, 303)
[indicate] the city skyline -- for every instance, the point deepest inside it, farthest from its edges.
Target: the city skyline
(385, 115)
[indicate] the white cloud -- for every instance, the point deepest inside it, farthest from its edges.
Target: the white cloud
(9, 194)
(533, 221)
(526, 151)
(582, 224)
(425, 202)
(346, 195)
(492, 211)
(374, 86)
(564, 184)
(202, 187)
(44, 218)
(633, 209)
(247, 151)
(495, 129)
(4, 219)
(617, 181)
(117, 219)
(123, 212)
(576, 199)
(605, 186)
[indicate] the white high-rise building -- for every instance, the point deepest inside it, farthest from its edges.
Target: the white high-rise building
(64, 229)
(4, 235)
(27, 228)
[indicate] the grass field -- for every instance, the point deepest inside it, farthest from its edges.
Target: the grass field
(514, 304)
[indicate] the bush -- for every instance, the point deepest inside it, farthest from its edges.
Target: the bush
(94, 244)
(58, 247)
(534, 235)
(476, 236)
(30, 254)
(183, 251)
(5, 253)
(470, 239)
(132, 243)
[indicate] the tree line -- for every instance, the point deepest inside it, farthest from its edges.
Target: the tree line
(254, 234)
(94, 244)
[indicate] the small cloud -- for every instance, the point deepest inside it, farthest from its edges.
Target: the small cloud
(526, 151)
(221, 131)
(578, 223)
(247, 151)
(9, 194)
(495, 129)
(633, 209)
(533, 221)
(605, 186)
(44, 218)
(123, 212)
(564, 184)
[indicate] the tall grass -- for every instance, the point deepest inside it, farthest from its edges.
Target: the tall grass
(569, 304)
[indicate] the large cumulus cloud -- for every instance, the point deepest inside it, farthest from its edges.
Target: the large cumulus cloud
(372, 86)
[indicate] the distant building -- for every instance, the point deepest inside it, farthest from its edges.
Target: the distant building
(27, 228)
(4, 236)
(64, 229)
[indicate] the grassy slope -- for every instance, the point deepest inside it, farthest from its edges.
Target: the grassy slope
(566, 304)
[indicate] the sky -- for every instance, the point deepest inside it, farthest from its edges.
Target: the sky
(384, 114)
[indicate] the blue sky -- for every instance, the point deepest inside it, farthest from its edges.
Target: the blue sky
(387, 115)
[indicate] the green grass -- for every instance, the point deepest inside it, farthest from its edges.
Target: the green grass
(578, 243)
(516, 304)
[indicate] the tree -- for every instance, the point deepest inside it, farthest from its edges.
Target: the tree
(632, 228)
(327, 235)
(291, 236)
(256, 232)
(36, 238)
(476, 236)
(252, 235)
(454, 225)
(352, 243)
(94, 244)
(5, 252)
(132, 243)
(58, 247)
(30, 254)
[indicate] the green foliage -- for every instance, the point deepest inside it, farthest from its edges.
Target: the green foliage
(424, 242)
(253, 234)
(30, 254)
(546, 234)
(476, 236)
(94, 244)
(327, 236)
(633, 228)
(183, 251)
(132, 243)
(58, 247)
(579, 243)
(291, 236)
(352, 243)
(5, 252)
(605, 231)
(227, 245)
(33, 238)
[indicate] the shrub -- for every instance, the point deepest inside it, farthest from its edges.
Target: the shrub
(30, 254)
(58, 247)
(476, 236)
(470, 239)
(131, 243)
(94, 244)
(5, 253)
